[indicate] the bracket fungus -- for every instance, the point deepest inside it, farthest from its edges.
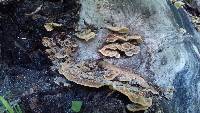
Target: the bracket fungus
(117, 37)
(101, 73)
(86, 35)
(50, 26)
(114, 50)
(98, 73)
(121, 43)
(58, 48)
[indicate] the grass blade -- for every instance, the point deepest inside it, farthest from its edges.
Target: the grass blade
(15, 109)
(6, 105)
(18, 109)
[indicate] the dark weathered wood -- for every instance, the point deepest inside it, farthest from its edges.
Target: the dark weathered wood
(4, 2)
(196, 4)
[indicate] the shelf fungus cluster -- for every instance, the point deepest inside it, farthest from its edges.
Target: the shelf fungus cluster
(62, 51)
(59, 48)
(118, 42)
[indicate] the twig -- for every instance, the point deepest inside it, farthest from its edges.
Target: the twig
(36, 11)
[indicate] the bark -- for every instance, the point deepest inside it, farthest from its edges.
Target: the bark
(169, 57)
(196, 4)
(4, 2)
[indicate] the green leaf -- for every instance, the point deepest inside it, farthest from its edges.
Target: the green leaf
(6, 105)
(76, 106)
(179, 4)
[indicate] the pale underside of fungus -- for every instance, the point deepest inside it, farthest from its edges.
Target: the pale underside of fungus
(98, 73)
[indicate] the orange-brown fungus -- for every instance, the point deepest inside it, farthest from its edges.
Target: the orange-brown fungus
(98, 73)
(113, 50)
(117, 43)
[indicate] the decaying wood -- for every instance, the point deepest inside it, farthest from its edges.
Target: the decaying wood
(167, 58)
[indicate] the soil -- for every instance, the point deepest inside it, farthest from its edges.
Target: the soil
(25, 74)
